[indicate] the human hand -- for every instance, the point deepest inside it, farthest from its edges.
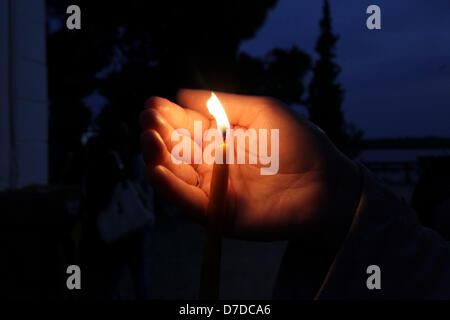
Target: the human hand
(315, 191)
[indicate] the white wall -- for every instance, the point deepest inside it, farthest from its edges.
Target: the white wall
(23, 94)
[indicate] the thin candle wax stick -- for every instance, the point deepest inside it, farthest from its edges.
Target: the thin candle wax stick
(210, 276)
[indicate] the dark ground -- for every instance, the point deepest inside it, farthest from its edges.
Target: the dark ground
(248, 268)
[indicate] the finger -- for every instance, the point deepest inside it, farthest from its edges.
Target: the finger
(155, 153)
(183, 194)
(240, 109)
(151, 119)
(175, 115)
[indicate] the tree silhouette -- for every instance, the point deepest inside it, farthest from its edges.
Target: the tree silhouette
(326, 95)
(279, 74)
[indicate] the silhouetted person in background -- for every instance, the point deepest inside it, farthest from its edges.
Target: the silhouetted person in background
(104, 262)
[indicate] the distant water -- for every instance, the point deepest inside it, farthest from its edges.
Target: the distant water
(400, 154)
(398, 179)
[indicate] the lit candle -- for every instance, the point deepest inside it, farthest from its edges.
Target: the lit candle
(210, 276)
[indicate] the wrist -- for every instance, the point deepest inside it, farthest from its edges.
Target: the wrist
(344, 196)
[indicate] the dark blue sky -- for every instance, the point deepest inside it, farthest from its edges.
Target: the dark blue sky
(397, 80)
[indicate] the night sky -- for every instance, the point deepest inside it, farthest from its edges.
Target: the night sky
(397, 79)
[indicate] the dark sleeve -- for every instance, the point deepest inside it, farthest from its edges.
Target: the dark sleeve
(414, 261)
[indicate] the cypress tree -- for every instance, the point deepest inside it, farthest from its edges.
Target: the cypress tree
(326, 95)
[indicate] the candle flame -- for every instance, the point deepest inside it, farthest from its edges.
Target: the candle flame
(218, 112)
